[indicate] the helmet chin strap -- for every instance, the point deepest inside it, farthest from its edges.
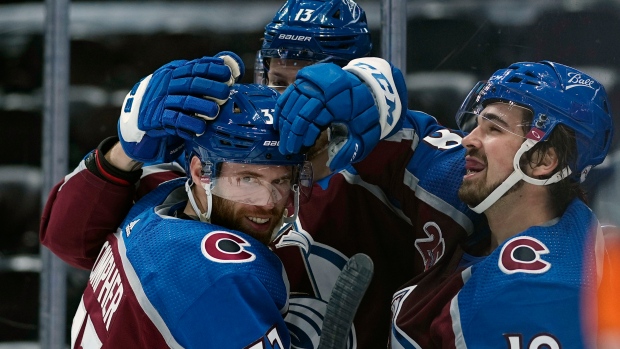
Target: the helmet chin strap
(516, 176)
(206, 216)
(286, 221)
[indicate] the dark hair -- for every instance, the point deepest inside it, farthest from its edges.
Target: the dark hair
(563, 140)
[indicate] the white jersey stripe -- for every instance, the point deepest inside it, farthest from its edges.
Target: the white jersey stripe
(141, 297)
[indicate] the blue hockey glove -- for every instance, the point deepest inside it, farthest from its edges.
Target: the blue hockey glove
(173, 103)
(362, 104)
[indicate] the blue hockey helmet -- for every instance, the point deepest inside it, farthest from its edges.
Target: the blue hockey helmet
(243, 133)
(318, 30)
(333, 31)
(556, 94)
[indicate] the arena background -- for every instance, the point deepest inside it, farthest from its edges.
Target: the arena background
(450, 44)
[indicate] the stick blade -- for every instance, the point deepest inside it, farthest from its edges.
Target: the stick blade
(346, 297)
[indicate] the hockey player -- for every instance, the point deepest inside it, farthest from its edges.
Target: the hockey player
(419, 168)
(539, 129)
(189, 266)
(345, 215)
(425, 187)
(306, 32)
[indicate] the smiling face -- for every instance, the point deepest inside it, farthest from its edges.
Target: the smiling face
(245, 197)
(251, 198)
(491, 148)
(256, 221)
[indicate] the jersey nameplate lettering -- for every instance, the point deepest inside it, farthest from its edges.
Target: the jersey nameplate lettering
(106, 283)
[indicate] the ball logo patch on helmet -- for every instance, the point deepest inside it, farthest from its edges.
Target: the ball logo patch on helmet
(225, 247)
(577, 80)
(523, 255)
(271, 143)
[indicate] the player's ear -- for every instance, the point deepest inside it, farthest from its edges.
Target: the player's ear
(544, 164)
(195, 168)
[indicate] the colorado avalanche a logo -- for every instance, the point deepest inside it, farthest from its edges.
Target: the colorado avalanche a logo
(523, 255)
(433, 247)
(226, 247)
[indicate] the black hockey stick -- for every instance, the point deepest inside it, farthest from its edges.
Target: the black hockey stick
(344, 301)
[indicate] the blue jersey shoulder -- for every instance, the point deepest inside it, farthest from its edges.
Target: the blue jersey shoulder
(438, 166)
(532, 284)
(178, 261)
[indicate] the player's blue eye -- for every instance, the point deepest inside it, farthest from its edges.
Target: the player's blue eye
(250, 179)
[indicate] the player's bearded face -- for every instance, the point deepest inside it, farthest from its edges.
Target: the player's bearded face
(491, 148)
(256, 221)
(251, 198)
(318, 156)
(473, 192)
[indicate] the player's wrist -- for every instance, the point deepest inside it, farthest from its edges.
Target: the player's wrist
(114, 154)
(110, 163)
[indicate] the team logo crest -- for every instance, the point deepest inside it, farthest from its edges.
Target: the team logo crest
(225, 247)
(523, 255)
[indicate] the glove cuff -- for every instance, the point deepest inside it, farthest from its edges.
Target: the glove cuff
(383, 80)
(97, 164)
